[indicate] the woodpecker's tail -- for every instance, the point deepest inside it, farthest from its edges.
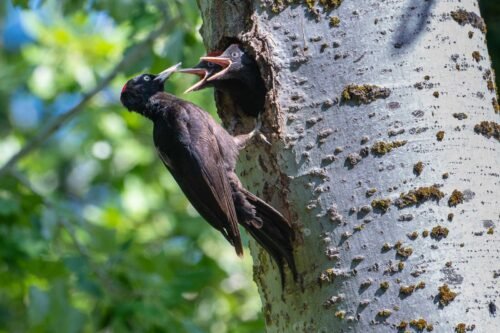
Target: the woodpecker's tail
(274, 234)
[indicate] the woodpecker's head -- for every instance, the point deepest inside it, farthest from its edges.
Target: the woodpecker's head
(137, 91)
(235, 63)
(204, 70)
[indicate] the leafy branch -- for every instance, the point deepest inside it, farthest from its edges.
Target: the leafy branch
(53, 125)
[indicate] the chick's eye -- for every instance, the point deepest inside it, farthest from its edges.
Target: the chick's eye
(209, 64)
(147, 78)
(235, 54)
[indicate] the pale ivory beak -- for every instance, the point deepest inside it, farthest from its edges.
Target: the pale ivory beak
(167, 72)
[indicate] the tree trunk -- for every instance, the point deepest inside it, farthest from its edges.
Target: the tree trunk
(382, 116)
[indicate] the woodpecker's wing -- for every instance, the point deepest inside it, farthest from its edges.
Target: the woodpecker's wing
(194, 158)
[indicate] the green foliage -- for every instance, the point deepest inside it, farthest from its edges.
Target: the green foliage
(94, 233)
(490, 11)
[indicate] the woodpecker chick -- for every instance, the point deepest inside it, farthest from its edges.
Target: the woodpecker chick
(201, 156)
(238, 76)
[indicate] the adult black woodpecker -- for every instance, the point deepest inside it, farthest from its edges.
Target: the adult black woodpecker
(239, 76)
(201, 155)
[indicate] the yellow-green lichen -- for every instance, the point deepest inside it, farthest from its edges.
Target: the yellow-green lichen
(419, 324)
(407, 290)
(491, 85)
(488, 129)
(418, 168)
(370, 192)
(381, 147)
(456, 198)
(439, 232)
(460, 115)
(386, 247)
(425, 233)
(382, 204)
(418, 196)
(476, 56)
(340, 314)
(364, 94)
(384, 313)
(496, 106)
(402, 325)
(420, 285)
(328, 275)
(358, 228)
(384, 285)
(463, 17)
(490, 231)
(334, 21)
(446, 295)
(440, 135)
(461, 328)
(310, 3)
(330, 4)
(401, 266)
(405, 252)
(278, 5)
(412, 235)
(435, 94)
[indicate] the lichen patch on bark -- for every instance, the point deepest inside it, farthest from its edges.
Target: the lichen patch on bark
(464, 17)
(382, 147)
(418, 196)
(364, 94)
(489, 129)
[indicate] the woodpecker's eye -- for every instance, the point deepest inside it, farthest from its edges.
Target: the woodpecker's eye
(235, 54)
(147, 78)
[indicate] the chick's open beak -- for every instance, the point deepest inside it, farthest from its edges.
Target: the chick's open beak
(201, 72)
(225, 63)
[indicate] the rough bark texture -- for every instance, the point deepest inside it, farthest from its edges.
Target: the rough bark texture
(376, 157)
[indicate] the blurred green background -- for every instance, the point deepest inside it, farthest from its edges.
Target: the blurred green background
(95, 236)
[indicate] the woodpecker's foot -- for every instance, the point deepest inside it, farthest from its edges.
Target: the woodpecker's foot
(243, 140)
(256, 131)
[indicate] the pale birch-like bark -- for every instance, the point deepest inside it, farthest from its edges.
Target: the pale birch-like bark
(363, 269)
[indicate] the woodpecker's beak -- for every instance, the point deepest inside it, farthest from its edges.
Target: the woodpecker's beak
(201, 72)
(225, 63)
(163, 76)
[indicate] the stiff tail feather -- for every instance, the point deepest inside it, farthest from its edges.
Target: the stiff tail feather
(275, 235)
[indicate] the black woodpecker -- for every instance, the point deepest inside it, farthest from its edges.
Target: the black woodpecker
(201, 155)
(236, 74)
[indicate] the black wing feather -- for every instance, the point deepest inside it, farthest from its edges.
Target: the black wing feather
(195, 161)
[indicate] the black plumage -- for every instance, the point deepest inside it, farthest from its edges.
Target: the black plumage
(201, 155)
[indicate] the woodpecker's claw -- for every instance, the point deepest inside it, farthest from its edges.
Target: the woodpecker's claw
(243, 140)
(256, 131)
